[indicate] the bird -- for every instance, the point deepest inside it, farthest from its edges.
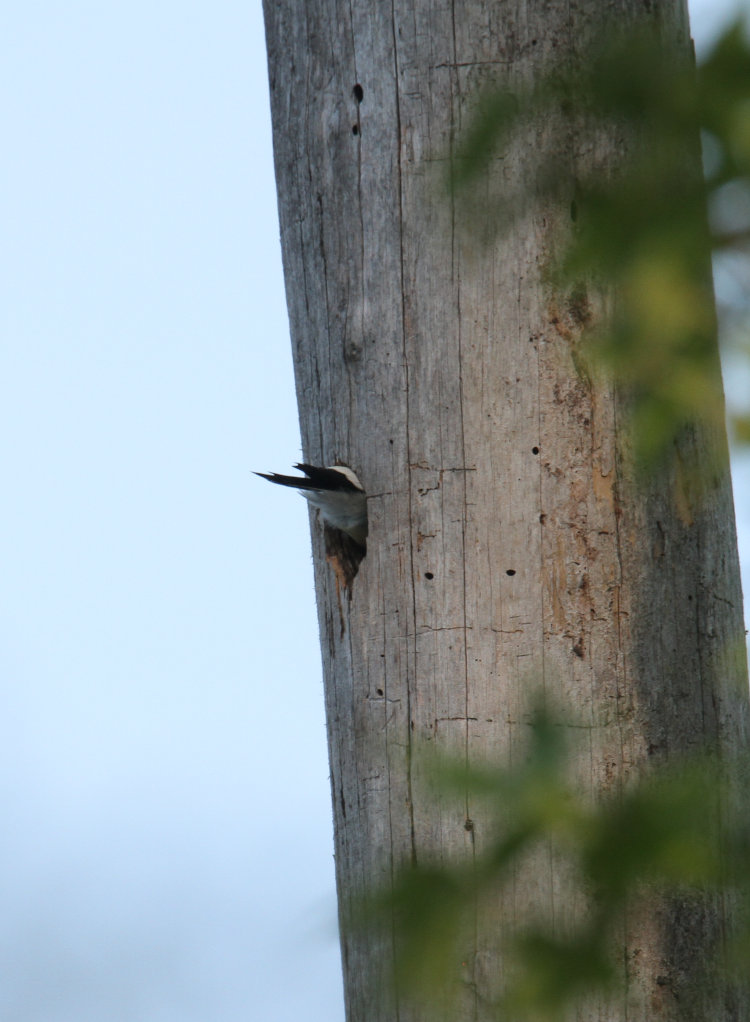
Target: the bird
(336, 491)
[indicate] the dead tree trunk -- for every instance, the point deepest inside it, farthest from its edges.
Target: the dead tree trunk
(507, 547)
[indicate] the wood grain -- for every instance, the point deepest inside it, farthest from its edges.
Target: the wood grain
(509, 549)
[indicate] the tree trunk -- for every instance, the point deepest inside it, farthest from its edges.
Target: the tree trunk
(508, 548)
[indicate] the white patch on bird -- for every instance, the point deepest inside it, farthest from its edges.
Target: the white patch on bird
(349, 474)
(343, 509)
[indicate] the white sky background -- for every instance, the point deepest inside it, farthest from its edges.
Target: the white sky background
(166, 848)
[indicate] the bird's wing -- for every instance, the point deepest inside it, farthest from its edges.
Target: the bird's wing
(325, 479)
(298, 482)
(328, 478)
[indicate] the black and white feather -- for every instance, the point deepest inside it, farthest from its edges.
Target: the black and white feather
(336, 491)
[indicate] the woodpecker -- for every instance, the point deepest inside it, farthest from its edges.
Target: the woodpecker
(335, 491)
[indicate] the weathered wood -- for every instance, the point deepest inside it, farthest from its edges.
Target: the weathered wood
(507, 548)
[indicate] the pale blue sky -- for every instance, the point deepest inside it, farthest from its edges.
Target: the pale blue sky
(166, 851)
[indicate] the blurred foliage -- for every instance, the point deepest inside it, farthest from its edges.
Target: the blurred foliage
(657, 838)
(626, 153)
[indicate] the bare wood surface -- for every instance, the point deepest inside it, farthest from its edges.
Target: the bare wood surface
(507, 548)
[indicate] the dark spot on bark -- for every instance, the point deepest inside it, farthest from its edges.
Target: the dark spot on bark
(355, 129)
(379, 691)
(359, 92)
(579, 306)
(352, 351)
(469, 825)
(429, 575)
(510, 571)
(535, 450)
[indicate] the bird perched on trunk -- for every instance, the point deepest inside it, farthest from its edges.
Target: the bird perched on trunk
(335, 491)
